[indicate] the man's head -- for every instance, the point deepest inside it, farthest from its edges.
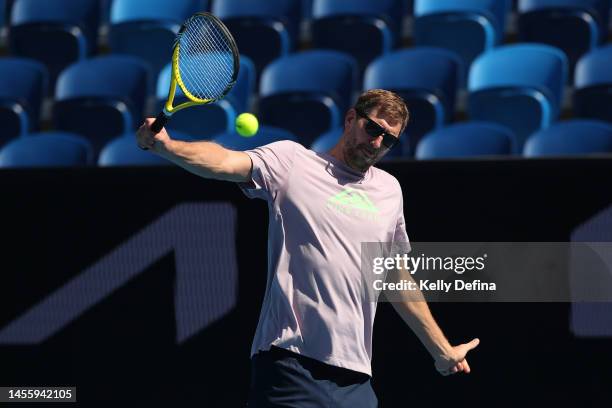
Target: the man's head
(371, 128)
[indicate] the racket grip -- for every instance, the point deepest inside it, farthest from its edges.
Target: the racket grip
(160, 122)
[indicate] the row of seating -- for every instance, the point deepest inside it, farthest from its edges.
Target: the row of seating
(462, 140)
(106, 96)
(60, 32)
(481, 138)
(520, 86)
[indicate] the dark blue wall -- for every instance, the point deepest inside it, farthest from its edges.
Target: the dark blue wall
(58, 224)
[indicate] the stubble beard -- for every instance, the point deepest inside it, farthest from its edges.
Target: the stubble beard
(354, 156)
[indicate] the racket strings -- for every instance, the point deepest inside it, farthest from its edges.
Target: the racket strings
(206, 59)
(207, 64)
(203, 48)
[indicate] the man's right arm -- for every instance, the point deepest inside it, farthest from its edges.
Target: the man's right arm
(205, 159)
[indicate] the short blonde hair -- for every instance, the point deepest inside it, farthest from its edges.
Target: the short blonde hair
(388, 103)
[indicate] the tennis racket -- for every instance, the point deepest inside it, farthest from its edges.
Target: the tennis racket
(205, 64)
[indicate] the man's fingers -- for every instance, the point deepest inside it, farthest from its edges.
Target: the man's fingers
(461, 366)
(458, 363)
(144, 136)
(473, 344)
(464, 348)
(465, 367)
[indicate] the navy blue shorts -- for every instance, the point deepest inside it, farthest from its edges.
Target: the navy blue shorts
(282, 379)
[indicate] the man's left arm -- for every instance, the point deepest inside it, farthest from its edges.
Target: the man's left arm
(412, 307)
(414, 310)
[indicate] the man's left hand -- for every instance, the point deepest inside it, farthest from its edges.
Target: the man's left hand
(456, 362)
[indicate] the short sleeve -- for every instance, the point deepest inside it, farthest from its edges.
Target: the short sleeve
(271, 165)
(400, 237)
(401, 243)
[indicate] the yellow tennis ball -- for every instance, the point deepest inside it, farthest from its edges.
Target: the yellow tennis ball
(246, 124)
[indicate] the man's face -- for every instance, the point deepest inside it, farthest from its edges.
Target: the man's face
(360, 149)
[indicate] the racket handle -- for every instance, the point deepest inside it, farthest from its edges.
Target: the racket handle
(160, 122)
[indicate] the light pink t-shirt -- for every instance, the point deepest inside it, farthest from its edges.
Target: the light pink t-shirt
(320, 212)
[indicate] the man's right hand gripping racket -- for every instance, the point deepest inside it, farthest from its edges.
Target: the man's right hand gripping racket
(205, 65)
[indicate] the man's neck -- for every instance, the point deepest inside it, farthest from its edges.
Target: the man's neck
(338, 153)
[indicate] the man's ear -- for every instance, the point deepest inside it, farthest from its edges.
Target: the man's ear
(349, 118)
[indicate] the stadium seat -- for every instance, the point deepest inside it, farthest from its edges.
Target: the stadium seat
(327, 140)
(105, 6)
(306, 9)
(47, 149)
(101, 98)
(265, 135)
(572, 137)
(593, 85)
(147, 29)
(264, 30)
(307, 93)
(3, 7)
(519, 86)
(244, 90)
(54, 32)
(467, 139)
(364, 29)
(467, 27)
(574, 26)
(199, 121)
(5, 13)
(427, 79)
(23, 85)
(123, 151)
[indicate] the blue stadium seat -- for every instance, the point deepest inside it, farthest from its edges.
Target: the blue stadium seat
(574, 26)
(327, 140)
(21, 96)
(105, 6)
(364, 29)
(306, 9)
(427, 79)
(5, 12)
(572, 137)
(264, 30)
(47, 149)
(307, 93)
(467, 139)
(3, 7)
(593, 85)
(241, 94)
(265, 135)
(123, 151)
(54, 32)
(519, 86)
(101, 98)
(467, 27)
(199, 121)
(147, 29)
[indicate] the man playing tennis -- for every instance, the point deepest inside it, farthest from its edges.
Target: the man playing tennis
(313, 343)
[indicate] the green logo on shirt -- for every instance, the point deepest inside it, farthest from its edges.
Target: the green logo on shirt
(354, 202)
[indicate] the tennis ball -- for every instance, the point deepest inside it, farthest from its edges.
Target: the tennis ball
(246, 124)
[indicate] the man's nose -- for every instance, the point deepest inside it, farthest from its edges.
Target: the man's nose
(377, 141)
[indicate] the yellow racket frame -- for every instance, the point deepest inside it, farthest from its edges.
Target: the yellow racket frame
(176, 79)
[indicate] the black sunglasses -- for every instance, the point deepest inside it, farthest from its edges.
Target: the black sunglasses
(374, 130)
